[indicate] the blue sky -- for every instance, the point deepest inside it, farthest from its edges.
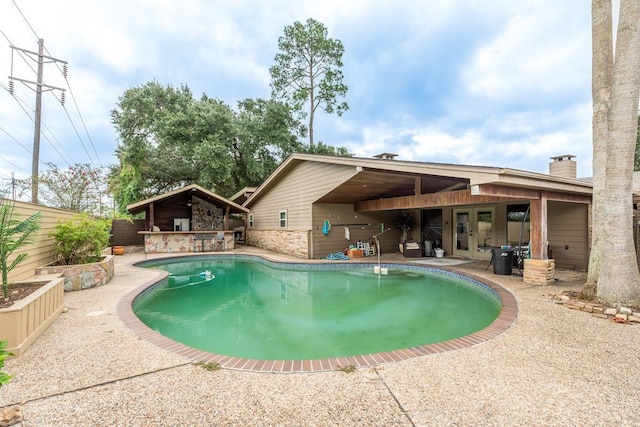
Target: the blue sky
(498, 82)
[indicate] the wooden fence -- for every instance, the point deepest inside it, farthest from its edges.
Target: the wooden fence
(41, 251)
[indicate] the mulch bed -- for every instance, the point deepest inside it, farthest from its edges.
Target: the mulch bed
(18, 292)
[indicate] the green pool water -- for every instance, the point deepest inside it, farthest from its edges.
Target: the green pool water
(258, 310)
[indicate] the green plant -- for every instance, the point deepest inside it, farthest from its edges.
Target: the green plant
(347, 369)
(404, 221)
(81, 239)
(211, 366)
(4, 377)
(14, 233)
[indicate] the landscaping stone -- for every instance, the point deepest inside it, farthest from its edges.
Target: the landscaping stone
(624, 315)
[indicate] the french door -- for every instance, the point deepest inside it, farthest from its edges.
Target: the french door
(473, 232)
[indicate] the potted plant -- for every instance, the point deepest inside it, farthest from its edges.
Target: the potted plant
(14, 234)
(78, 247)
(404, 221)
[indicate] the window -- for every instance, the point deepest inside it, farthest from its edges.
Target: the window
(251, 220)
(518, 225)
(283, 219)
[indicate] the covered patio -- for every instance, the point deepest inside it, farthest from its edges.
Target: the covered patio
(189, 219)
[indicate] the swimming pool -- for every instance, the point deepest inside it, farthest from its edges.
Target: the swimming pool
(251, 311)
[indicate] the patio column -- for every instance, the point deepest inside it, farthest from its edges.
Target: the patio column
(538, 270)
(151, 217)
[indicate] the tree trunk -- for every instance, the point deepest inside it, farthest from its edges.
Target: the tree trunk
(602, 73)
(619, 280)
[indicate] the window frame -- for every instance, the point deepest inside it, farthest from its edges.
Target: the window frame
(283, 219)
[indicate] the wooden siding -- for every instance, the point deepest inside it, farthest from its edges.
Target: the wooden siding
(41, 251)
(361, 226)
(568, 226)
(296, 192)
(431, 200)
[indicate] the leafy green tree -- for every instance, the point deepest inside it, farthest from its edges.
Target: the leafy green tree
(308, 71)
(328, 150)
(169, 139)
(79, 188)
(14, 233)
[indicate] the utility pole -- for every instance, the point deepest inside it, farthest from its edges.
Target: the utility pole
(41, 57)
(13, 186)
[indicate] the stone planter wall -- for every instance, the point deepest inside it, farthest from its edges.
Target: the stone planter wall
(82, 276)
(295, 243)
(24, 321)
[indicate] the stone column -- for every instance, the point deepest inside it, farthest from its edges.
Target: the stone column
(539, 271)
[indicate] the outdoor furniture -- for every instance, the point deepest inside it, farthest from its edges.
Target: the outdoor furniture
(412, 250)
(367, 248)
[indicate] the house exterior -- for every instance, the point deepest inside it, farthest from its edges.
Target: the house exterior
(465, 210)
(186, 220)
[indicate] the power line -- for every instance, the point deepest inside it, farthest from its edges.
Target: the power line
(83, 123)
(13, 164)
(38, 110)
(64, 73)
(12, 137)
(25, 20)
(80, 139)
(20, 103)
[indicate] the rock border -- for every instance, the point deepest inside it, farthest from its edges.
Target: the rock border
(620, 314)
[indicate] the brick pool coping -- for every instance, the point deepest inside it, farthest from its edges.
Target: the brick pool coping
(505, 319)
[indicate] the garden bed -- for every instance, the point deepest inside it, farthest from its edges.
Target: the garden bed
(27, 318)
(82, 276)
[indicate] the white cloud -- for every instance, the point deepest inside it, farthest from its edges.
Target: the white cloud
(500, 82)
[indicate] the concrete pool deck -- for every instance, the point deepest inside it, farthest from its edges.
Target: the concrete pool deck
(553, 366)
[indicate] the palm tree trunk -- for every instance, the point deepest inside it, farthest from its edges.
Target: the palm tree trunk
(602, 73)
(619, 280)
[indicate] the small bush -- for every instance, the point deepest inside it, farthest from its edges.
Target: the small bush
(4, 377)
(211, 366)
(81, 239)
(347, 369)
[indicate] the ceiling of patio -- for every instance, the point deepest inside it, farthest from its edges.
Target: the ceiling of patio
(373, 185)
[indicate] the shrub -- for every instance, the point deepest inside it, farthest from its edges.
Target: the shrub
(4, 377)
(81, 239)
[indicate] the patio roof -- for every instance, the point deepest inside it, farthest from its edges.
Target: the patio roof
(376, 178)
(193, 189)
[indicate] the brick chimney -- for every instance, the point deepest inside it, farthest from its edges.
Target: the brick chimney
(563, 166)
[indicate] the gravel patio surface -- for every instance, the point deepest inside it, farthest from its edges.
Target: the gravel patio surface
(553, 367)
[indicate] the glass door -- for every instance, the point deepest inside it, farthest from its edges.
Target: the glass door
(473, 233)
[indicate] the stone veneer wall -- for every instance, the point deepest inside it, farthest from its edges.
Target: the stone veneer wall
(183, 242)
(82, 276)
(206, 216)
(295, 243)
(539, 271)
